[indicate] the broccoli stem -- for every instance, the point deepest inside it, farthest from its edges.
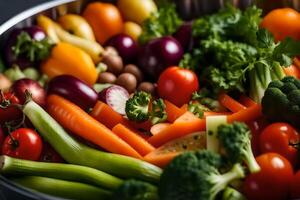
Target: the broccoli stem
(250, 160)
(223, 180)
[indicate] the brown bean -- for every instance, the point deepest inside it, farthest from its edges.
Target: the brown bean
(114, 64)
(133, 69)
(128, 81)
(147, 87)
(107, 77)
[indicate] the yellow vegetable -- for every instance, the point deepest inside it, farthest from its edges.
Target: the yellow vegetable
(136, 10)
(77, 25)
(133, 30)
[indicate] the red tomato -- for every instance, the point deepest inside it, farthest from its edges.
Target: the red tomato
(256, 128)
(177, 85)
(9, 113)
(26, 144)
(295, 186)
(50, 155)
(277, 138)
(272, 182)
(283, 22)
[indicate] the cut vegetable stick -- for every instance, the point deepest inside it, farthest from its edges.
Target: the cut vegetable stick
(292, 70)
(106, 115)
(212, 124)
(173, 111)
(184, 108)
(80, 123)
(247, 101)
(246, 115)
(158, 128)
(160, 160)
(133, 139)
(185, 124)
(211, 113)
(229, 103)
(296, 62)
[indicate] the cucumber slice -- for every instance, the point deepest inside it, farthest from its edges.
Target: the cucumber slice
(212, 123)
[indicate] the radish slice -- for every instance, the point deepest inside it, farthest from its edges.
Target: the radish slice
(115, 96)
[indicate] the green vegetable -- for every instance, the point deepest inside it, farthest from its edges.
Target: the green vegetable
(208, 99)
(14, 73)
(236, 53)
(212, 124)
(31, 73)
(137, 107)
(76, 153)
(161, 23)
(64, 189)
(196, 175)
(34, 50)
(197, 109)
(281, 101)
(235, 138)
(232, 194)
(158, 113)
(98, 87)
(14, 166)
(136, 190)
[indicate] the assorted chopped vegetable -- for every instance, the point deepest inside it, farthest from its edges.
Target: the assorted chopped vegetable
(129, 101)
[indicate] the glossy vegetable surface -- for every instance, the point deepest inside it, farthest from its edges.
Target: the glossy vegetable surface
(74, 90)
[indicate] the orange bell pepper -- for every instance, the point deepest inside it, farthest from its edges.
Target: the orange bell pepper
(68, 59)
(105, 20)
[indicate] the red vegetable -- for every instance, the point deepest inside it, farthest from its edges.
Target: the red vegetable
(295, 190)
(23, 143)
(2, 137)
(9, 112)
(272, 182)
(278, 138)
(177, 85)
(37, 92)
(50, 155)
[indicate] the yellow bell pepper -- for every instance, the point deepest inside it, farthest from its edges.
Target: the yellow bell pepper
(68, 59)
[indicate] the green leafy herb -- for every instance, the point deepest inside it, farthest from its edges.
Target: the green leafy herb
(158, 113)
(161, 23)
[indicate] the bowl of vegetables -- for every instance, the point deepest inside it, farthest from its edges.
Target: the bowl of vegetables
(151, 100)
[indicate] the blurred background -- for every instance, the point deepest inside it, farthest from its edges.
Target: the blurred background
(9, 8)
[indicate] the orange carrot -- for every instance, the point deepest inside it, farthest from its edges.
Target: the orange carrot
(157, 128)
(292, 70)
(133, 139)
(296, 62)
(184, 108)
(73, 118)
(211, 113)
(106, 115)
(246, 115)
(173, 111)
(230, 103)
(185, 124)
(247, 101)
(160, 160)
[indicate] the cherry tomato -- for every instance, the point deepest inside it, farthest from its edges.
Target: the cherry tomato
(177, 85)
(50, 155)
(295, 186)
(278, 137)
(9, 112)
(23, 143)
(272, 182)
(283, 22)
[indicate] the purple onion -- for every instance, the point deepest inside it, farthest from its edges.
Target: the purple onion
(184, 35)
(159, 54)
(74, 90)
(126, 47)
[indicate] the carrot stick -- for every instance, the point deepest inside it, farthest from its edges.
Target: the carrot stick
(211, 113)
(173, 111)
(230, 103)
(133, 139)
(246, 101)
(246, 115)
(157, 128)
(73, 118)
(296, 62)
(160, 160)
(185, 124)
(106, 115)
(184, 108)
(292, 70)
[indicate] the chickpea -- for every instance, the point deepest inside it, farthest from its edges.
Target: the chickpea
(133, 69)
(128, 81)
(107, 77)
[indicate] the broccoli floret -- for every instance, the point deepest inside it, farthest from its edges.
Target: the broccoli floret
(195, 176)
(197, 109)
(232, 194)
(137, 107)
(136, 190)
(158, 113)
(281, 101)
(235, 138)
